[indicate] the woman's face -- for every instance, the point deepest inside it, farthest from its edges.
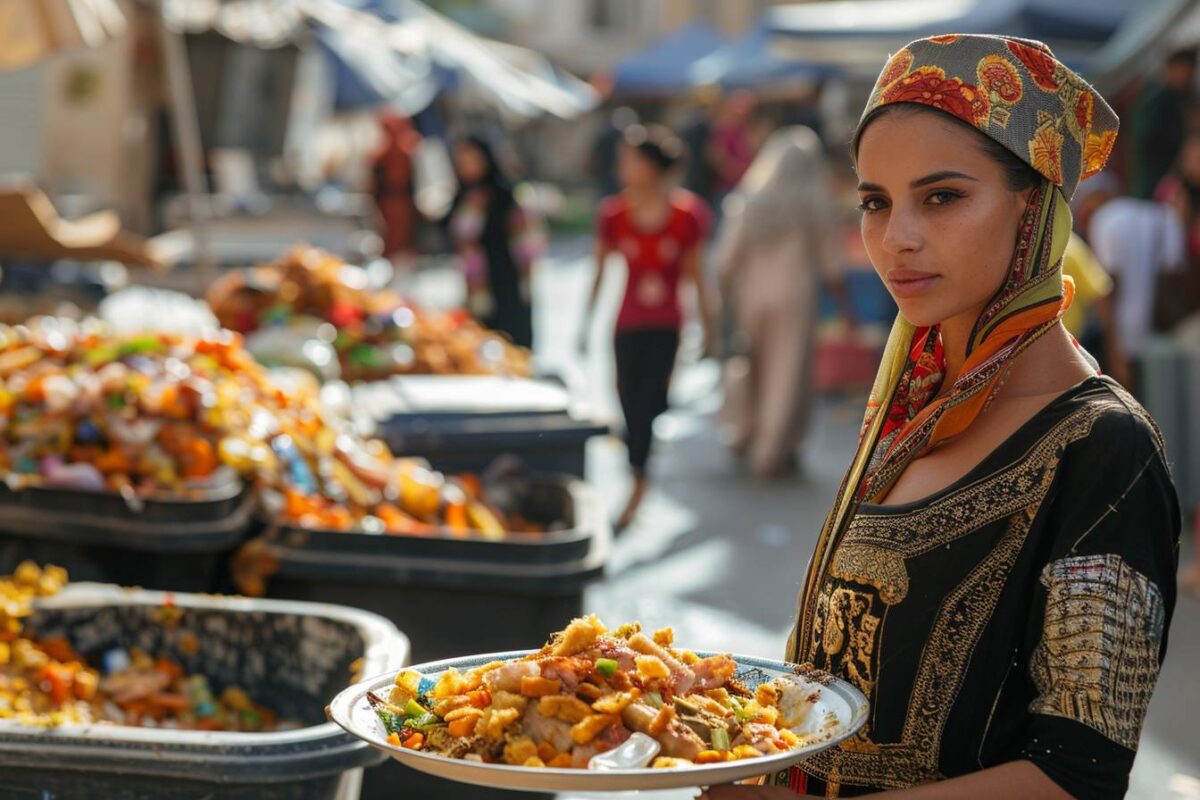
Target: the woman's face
(634, 170)
(939, 219)
(471, 164)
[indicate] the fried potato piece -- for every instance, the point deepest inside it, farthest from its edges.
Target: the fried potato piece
(493, 722)
(652, 668)
(520, 750)
(615, 703)
(581, 634)
(590, 726)
(505, 700)
(540, 687)
(564, 707)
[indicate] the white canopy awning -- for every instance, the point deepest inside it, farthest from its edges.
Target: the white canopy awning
(33, 29)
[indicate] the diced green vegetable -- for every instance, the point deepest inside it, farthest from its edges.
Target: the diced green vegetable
(414, 709)
(654, 698)
(606, 667)
(720, 739)
(392, 722)
(740, 712)
(424, 722)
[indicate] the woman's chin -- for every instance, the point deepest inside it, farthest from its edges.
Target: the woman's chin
(921, 314)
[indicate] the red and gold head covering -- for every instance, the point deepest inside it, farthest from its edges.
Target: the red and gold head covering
(1015, 92)
(1012, 90)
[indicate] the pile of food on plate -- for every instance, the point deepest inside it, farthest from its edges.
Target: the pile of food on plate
(589, 690)
(179, 416)
(44, 682)
(375, 334)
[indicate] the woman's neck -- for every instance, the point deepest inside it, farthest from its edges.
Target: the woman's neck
(956, 334)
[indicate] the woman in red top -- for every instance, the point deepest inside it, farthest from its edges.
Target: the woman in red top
(660, 231)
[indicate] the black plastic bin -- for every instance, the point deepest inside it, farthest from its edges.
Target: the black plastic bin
(547, 437)
(165, 544)
(449, 607)
(290, 656)
(548, 500)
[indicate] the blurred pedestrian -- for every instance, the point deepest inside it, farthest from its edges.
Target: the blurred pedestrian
(1180, 189)
(1159, 122)
(699, 177)
(777, 244)
(660, 232)
(1090, 317)
(392, 185)
(1137, 241)
(603, 159)
(496, 241)
(731, 145)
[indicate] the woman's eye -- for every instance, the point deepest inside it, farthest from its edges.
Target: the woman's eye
(942, 197)
(870, 204)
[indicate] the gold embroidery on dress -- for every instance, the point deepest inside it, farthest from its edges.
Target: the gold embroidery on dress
(1098, 658)
(872, 557)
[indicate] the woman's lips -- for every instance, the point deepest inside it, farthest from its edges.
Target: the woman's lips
(910, 283)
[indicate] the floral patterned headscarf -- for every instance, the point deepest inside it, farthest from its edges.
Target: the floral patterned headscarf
(1015, 92)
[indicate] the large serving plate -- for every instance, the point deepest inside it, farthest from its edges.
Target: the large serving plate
(351, 710)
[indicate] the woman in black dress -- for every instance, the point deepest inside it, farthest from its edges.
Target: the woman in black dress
(496, 242)
(997, 574)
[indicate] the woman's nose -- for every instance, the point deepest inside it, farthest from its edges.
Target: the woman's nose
(902, 234)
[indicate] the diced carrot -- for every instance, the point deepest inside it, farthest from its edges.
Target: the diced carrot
(171, 702)
(169, 668)
(463, 726)
(546, 752)
(414, 742)
(58, 678)
(393, 739)
(560, 761)
(480, 698)
(58, 649)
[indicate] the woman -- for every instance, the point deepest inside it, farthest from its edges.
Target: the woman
(660, 231)
(776, 245)
(496, 242)
(998, 570)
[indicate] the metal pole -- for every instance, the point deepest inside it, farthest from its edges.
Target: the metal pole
(190, 151)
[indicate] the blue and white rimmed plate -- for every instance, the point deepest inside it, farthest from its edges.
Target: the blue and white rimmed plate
(352, 711)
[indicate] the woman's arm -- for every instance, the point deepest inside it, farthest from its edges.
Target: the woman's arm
(1014, 779)
(585, 327)
(693, 269)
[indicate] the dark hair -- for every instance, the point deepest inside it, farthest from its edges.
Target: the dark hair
(1020, 176)
(1186, 56)
(495, 179)
(657, 144)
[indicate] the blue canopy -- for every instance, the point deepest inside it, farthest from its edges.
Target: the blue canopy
(749, 61)
(1050, 20)
(665, 65)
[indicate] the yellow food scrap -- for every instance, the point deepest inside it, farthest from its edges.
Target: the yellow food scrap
(652, 668)
(534, 762)
(720, 695)
(581, 634)
(540, 687)
(789, 738)
(590, 726)
(710, 757)
(505, 700)
(663, 762)
(664, 637)
(689, 658)
(767, 695)
(615, 703)
(520, 750)
(564, 707)
(745, 751)
(459, 713)
(493, 722)
(450, 684)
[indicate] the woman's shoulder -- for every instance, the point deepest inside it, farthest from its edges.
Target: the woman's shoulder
(691, 207)
(611, 208)
(1118, 426)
